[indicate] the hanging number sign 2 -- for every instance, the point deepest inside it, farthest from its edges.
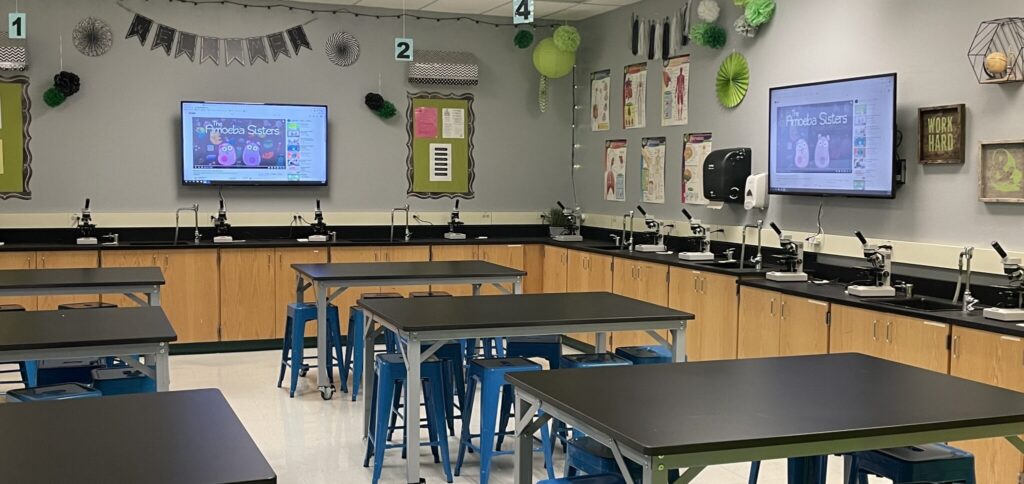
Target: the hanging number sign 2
(403, 49)
(16, 25)
(522, 11)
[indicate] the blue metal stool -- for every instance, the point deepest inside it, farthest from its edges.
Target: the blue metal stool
(389, 380)
(586, 455)
(86, 305)
(934, 463)
(26, 369)
(71, 370)
(489, 374)
(354, 342)
(645, 355)
(294, 343)
(598, 479)
(799, 469)
(547, 347)
(559, 431)
(63, 391)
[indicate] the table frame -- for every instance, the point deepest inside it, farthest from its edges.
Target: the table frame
(155, 355)
(130, 291)
(438, 338)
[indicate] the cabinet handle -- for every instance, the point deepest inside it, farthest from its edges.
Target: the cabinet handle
(888, 332)
(782, 311)
(167, 261)
(695, 284)
(772, 307)
(874, 330)
(43, 260)
(703, 283)
(956, 347)
(154, 259)
(269, 260)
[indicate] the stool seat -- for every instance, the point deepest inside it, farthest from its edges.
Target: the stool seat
(354, 342)
(934, 463)
(505, 365)
(645, 355)
(63, 391)
(87, 305)
(415, 294)
(598, 479)
(587, 455)
(548, 338)
(381, 295)
(588, 360)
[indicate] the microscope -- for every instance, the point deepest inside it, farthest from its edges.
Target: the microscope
(1015, 292)
(320, 232)
(880, 257)
(793, 258)
(221, 226)
(705, 243)
(654, 231)
(571, 232)
(85, 227)
(453, 225)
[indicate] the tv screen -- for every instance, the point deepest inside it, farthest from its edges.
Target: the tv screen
(833, 138)
(253, 144)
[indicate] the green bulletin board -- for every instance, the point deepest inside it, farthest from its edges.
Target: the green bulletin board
(440, 130)
(15, 164)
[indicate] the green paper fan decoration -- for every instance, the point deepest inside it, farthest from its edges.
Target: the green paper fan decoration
(759, 12)
(709, 35)
(732, 80)
(523, 39)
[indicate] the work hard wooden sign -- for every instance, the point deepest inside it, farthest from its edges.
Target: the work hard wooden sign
(942, 131)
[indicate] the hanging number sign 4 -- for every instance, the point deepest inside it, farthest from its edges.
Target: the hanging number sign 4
(16, 25)
(403, 49)
(522, 11)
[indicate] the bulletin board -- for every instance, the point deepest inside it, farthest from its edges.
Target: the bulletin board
(440, 132)
(15, 157)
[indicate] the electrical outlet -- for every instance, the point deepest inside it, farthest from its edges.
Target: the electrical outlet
(486, 216)
(816, 240)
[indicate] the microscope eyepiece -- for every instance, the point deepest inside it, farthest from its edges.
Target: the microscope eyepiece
(776, 228)
(560, 205)
(860, 236)
(999, 249)
(687, 214)
(641, 210)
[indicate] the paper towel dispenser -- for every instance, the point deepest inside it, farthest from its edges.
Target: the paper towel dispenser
(725, 174)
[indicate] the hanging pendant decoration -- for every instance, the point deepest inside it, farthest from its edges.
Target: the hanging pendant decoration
(186, 46)
(65, 85)
(163, 39)
(233, 52)
(92, 37)
(342, 49)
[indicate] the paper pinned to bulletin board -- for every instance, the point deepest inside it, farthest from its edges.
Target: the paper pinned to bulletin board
(652, 169)
(615, 170)
(696, 147)
(440, 160)
(600, 89)
(15, 157)
(634, 96)
(675, 91)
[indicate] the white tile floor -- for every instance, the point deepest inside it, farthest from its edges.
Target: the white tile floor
(310, 441)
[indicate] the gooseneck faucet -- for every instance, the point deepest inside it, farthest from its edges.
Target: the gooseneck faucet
(964, 275)
(408, 233)
(624, 242)
(757, 260)
(177, 225)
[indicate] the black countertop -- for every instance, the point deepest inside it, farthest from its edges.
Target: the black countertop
(836, 293)
(32, 330)
(181, 437)
(486, 312)
(73, 278)
(387, 271)
(738, 404)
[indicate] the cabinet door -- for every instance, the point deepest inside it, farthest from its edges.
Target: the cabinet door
(684, 295)
(130, 258)
(347, 299)
(649, 283)
(857, 331)
(450, 253)
(995, 360)
(556, 263)
(598, 273)
(191, 296)
(803, 326)
(419, 253)
(503, 255)
(719, 308)
(19, 260)
(247, 304)
(73, 259)
(284, 292)
(759, 323)
(919, 343)
(533, 264)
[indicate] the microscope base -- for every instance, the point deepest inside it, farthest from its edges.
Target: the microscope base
(1004, 314)
(223, 239)
(779, 276)
(568, 238)
(871, 291)
(454, 236)
(87, 241)
(696, 256)
(650, 248)
(319, 238)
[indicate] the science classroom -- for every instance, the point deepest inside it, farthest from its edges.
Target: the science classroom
(512, 241)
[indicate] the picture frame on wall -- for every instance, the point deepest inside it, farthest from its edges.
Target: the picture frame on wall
(942, 134)
(1001, 172)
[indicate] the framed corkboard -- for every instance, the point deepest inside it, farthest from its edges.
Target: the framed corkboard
(15, 156)
(1002, 172)
(440, 129)
(942, 134)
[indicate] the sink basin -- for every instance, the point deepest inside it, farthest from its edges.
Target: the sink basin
(920, 303)
(155, 242)
(604, 247)
(728, 264)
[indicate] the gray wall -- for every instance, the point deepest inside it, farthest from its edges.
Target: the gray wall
(925, 41)
(118, 139)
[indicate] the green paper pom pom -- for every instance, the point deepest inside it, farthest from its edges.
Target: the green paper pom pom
(524, 39)
(387, 111)
(53, 97)
(708, 35)
(567, 38)
(759, 12)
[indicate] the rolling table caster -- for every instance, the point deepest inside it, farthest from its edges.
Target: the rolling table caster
(327, 393)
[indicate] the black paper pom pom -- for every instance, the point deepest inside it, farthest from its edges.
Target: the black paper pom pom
(374, 101)
(67, 83)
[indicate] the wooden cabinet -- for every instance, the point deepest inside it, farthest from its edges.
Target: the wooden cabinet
(348, 298)
(19, 260)
(132, 258)
(639, 280)
(247, 294)
(776, 324)
(513, 256)
(911, 341)
(998, 360)
(452, 253)
(712, 299)
(587, 272)
(72, 259)
(856, 330)
(533, 264)
(285, 282)
(556, 269)
(415, 253)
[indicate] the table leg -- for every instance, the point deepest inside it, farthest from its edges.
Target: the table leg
(523, 453)
(163, 377)
(413, 386)
(517, 287)
(806, 470)
(322, 300)
(369, 334)
(679, 344)
(476, 289)
(154, 296)
(601, 342)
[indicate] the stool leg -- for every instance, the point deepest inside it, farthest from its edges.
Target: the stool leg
(373, 421)
(297, 350)
(489, 400)
(396, 406)
(385, 388)
(805, 470)
(503, 415)
(448, 382)
(436, 408)
(467, 417)
(755, 471)
(545, 444)
(432, 435)
(30, 372)
(285, 350)
(339, 353)
(355, 337)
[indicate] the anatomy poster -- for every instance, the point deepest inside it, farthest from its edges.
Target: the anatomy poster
(675, 91)
(696, 147)
(600, 90)
(652, 169)
(615, 170)
(634, 96)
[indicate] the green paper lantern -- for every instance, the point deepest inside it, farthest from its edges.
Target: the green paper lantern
(733, 80)
(709, 35)
(551, 61)
(567, 38)
(387, 111)
(523, 39)
(759, 12)
(53, 97)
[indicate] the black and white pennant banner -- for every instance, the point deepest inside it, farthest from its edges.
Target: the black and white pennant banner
(277, 45)
(233, 52)
(297, 36)
(163, 39)
(209, 50)
(186, 46)
(139, 28)
(257, 50)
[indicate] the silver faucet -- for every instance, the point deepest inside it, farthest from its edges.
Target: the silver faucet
(617, 239)
(757, 260)
(408, 233)
(628, 243)
(965, 260)
(177, 219)
(112, 239)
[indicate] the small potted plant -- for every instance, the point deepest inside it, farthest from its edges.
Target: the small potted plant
(557, 221)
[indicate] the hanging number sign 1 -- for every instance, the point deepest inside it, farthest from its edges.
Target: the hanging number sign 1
(522, 11)
(403, 49)
(16, 25)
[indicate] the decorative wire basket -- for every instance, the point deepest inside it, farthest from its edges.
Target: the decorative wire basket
(996, 51)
